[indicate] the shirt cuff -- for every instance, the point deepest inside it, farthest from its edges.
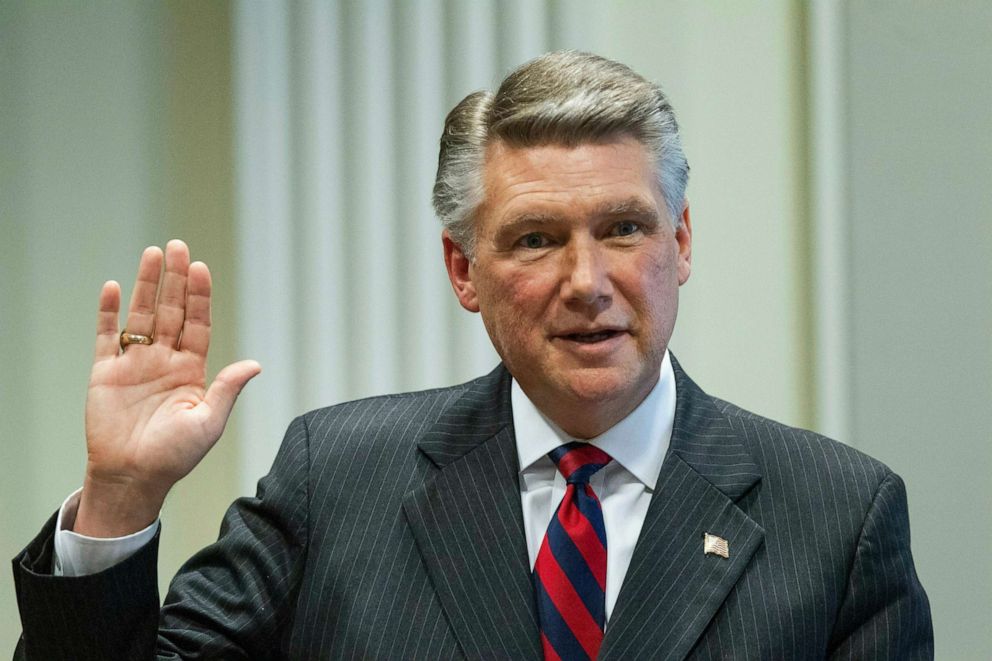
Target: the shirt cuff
(79, 555)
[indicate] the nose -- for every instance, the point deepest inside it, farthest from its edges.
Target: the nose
(586, 275)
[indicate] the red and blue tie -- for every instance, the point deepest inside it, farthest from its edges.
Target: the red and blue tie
(570, 572)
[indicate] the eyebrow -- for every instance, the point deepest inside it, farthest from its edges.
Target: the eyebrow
(632, 206)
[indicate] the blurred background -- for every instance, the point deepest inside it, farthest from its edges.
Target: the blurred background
(841, 197)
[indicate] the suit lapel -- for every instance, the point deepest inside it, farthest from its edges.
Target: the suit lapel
(469, 531)
(468, 524)
(672, 590)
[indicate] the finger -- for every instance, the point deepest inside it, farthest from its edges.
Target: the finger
(107, 335)
(141, 312)
(224, 391)
(196, 329)
(171, 310)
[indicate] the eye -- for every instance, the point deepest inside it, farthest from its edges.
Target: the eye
(533, 241)
(626, 228)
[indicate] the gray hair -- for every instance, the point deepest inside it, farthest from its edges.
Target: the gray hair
(565, 98)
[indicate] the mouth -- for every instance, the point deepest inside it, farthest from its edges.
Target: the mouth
(591, 337)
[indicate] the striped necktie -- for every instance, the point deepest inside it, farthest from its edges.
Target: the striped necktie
(570, 572)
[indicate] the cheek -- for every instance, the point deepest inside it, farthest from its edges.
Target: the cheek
(513, 307)
(522, 293)
(653, 292)
(649, 275)
(665, 261)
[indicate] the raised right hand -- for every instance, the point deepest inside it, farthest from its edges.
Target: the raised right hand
(150, 417)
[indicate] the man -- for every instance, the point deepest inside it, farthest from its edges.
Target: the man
(584, 499)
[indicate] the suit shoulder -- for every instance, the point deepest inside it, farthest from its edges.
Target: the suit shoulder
(777, 445)
(382, 420)
(383, 410)
(370, 444)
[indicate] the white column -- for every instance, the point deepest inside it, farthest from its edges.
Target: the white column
(320, 294)
(267, 314)
(830, 239)
(371, 204)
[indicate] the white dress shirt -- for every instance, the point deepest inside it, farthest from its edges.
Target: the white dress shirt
(79, 555)
(637, 443)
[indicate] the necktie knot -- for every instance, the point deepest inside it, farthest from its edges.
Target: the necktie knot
(577, 462)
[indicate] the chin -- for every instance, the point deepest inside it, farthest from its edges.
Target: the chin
(596, 385)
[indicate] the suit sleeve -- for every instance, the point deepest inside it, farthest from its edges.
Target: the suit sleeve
(231, 600)
(108, 615)
(885, 613)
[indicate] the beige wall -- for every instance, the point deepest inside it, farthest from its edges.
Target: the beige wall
(920, 182)
(117, 133)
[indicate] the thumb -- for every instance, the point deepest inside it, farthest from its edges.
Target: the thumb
(227, 385)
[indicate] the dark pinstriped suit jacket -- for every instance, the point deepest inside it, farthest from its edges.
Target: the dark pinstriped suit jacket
(390, 528)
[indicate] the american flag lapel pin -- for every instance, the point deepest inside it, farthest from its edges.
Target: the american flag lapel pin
(715, 545)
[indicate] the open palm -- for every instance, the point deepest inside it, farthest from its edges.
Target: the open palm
(150, 417)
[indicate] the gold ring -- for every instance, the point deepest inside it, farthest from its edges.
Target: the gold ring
(133, 338)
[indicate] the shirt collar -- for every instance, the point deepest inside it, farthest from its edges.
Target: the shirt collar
(638, 442)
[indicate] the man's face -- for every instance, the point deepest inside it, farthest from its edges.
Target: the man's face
(576, 275)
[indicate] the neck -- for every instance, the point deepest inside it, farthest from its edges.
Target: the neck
(583, 419)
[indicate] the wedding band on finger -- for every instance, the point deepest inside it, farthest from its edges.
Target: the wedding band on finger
(133, 338)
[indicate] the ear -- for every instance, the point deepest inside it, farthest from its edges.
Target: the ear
(683, 235)
(459, 273)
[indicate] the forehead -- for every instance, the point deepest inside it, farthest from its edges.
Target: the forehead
(568, 180)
